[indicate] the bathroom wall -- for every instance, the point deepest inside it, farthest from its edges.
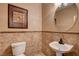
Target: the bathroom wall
(67, 38)
(34, 17)
(32, 39)
(65, 18)
(32, 36)
(49, 10)
(35, 38)
(51, 34)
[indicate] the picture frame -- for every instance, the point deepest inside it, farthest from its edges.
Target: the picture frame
(17, 17)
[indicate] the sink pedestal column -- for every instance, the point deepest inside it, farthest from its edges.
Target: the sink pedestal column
(60, 48)
(58, 53)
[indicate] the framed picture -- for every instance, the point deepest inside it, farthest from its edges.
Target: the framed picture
(17, 17)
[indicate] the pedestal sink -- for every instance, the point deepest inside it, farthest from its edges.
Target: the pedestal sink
(60, 48)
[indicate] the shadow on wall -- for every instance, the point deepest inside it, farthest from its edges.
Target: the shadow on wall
(74, 51)
(8, 51)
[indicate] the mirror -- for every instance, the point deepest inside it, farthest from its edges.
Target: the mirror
(65, 16)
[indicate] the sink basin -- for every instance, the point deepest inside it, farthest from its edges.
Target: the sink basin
(60, 48)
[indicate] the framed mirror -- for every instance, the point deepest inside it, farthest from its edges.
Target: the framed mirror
(65, 16)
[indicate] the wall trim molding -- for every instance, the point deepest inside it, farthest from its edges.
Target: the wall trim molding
(38, 31)
(61, 32)
(18, 31)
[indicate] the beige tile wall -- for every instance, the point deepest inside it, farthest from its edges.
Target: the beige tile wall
(67, 38)
(33, 42)
(37, 42)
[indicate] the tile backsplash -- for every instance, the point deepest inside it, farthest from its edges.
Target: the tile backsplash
(33, 42)
(37, 42)
(67, 38)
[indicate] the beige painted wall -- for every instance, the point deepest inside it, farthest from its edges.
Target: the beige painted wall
(48, 19)
(34, 17)
(48, 11)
